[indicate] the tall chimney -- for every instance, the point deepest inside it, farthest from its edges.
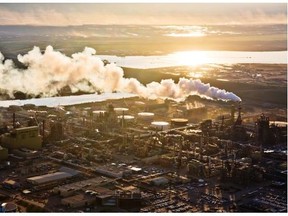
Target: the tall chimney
(232, 114)
(14, 120)
(43, 130)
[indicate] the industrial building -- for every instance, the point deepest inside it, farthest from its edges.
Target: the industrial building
(3, 153)
(159, 181)
(63, 173)
(23, 137)
(10, 184)
(78, 200)
(137, 160)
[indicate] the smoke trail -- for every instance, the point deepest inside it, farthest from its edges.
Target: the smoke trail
(48, 73)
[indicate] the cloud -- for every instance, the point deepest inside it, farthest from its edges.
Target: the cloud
(49, 72)
(34, 17)
(154, 14)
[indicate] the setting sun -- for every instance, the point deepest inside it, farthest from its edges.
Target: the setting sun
(191, 58)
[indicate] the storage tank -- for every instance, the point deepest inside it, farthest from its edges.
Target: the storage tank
(86, 111)
(127, 118)
(69, 113)
(9, 207)
(179, 122)
(97, 113)
(146, 116)
(160, 125)
(121, 110)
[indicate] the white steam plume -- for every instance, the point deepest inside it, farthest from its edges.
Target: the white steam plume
(49, 72)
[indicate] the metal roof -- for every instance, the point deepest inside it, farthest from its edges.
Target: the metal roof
(49, 177)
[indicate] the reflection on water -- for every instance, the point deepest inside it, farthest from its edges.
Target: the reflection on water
(191, 58)
(194, 58)
(195, 31)
(66, 100)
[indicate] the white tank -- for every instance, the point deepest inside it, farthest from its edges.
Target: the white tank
(127, 118)
(120, 110)
(145, 116)
(9, 207)
(160, 125)
(97, 113)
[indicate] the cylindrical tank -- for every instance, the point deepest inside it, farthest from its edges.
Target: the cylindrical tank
(146, 116)
(121, 110)
(127, 118)
(86, 111)
(97, 113)
(9, 207)
(160, 125)
(69, 113)
(179, 122)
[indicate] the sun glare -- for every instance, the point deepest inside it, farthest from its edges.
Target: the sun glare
(191, 34)
(191, 58)
(195, 75)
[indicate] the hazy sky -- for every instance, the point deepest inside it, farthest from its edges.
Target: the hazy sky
(157, 14)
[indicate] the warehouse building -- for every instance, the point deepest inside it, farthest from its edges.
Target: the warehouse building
(63, 173)
(159, 181)
(79, 200)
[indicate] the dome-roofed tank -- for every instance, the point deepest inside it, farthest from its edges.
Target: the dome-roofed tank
(146, 116)
(9, 207)
(160, 125)
(121, 110)
(179, 122)
(126, 117)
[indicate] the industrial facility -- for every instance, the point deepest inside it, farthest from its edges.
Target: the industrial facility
(136, 155)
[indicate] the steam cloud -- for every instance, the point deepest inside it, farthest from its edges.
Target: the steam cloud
(51, 71)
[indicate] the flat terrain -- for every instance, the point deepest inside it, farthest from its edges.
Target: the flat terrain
(128, 40)
(259, 85)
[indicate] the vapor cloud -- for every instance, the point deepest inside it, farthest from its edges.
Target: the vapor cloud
(49, 72)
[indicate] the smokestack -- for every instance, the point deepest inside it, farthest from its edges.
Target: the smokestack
(239, 119)
(201, 147)
(232, 114)
(123, 119)
(43, 130)
(14, 120)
